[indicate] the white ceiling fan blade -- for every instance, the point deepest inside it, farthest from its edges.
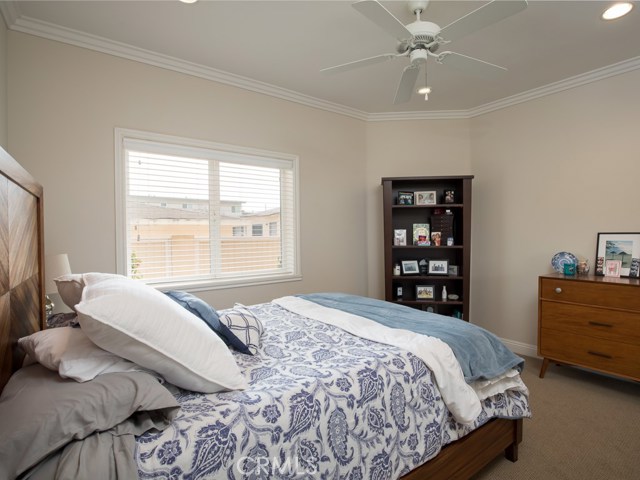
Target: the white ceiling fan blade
(382, 17)
(407, 83)
(486, 15)
(360, 63)
(470, 65)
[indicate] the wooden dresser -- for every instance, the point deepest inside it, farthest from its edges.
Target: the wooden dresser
(592, 322)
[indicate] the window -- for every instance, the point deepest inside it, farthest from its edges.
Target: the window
(256, 230)
(184, 207)
(273, 229)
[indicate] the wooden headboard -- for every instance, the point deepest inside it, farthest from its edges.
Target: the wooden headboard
(21, 261)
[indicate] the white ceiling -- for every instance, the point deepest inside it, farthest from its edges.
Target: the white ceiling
(278, 47)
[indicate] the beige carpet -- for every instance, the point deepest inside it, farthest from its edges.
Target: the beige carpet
(584, 426)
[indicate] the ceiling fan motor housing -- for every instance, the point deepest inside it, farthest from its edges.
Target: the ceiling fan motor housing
(424, 33)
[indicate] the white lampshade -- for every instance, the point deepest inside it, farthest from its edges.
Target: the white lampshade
(54, 267)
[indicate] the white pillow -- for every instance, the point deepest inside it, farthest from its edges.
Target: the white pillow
(70, 352)
(139, 323)
(47, 346)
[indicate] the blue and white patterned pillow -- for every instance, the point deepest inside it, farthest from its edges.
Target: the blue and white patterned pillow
(244, 325)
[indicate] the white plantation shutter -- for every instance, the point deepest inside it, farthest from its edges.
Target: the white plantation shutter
(205, 214)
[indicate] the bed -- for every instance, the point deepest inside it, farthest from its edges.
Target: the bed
(376, 407)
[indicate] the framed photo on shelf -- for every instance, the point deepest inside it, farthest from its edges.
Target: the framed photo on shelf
(400, 237)
(453, 270)
(426, 198)
(405, 198)
(623, 247)
(410, 267)
(438, 267)
(421, 234)
(425, 292)
(449, 196)
(612, 268)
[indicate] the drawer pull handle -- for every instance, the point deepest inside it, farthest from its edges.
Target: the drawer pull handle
(558, 290)
(600, 324)
(598, 354)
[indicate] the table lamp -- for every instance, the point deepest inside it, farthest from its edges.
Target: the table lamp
(54, 266)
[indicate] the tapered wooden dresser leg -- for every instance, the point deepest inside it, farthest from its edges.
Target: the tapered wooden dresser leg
(543, 369)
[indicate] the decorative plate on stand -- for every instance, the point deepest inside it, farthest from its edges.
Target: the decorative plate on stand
(561, 258)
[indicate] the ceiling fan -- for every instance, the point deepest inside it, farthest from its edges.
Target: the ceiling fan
(421, 39)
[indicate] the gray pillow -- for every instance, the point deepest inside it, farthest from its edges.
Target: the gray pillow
(70, 289)
(40, 412)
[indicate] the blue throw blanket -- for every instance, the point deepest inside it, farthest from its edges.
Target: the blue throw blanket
(481, 354)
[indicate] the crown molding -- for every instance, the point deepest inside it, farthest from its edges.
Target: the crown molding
(58, 33)
(425, 115)
(69, 36)
(566, 84)
(9, 12)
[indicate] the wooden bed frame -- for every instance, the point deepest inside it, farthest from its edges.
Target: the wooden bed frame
(22, 313)
(21, 261)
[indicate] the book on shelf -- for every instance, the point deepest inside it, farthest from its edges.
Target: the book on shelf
(421, 234)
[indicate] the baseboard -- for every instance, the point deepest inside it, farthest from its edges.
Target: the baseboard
(521, 348)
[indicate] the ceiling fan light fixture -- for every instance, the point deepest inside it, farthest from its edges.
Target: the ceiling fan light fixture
(424, 90)
(617, 10)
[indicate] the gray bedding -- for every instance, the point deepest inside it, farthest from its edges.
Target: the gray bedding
(52, 427)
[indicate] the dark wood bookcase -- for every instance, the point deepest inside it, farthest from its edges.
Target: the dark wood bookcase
(398, 216)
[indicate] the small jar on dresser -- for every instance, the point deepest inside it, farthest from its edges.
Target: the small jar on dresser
(591, 322)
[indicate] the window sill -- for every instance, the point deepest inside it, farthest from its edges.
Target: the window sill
(219, 284)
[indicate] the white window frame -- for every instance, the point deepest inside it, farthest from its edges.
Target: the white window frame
(169, 144)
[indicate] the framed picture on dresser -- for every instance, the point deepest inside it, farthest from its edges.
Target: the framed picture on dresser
(622, 247)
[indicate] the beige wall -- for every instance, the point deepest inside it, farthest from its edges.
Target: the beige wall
(549, 175)
(407, 148)
(3, 85)
(66, 101)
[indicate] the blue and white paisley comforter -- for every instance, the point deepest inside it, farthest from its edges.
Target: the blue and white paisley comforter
(322, 403)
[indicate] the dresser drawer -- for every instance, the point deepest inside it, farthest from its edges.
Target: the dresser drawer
(605, 355)
(598, 322)
(592, 293)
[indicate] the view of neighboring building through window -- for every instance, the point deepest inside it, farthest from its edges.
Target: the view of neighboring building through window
(198, 215)
(256, 230)
(239, 231)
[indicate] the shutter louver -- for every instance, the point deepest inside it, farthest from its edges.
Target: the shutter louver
(196, 215)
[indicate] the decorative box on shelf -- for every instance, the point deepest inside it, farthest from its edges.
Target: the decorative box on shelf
(443, 223)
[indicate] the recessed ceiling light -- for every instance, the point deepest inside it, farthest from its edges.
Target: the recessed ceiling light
(188, 1)
(616, 11)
